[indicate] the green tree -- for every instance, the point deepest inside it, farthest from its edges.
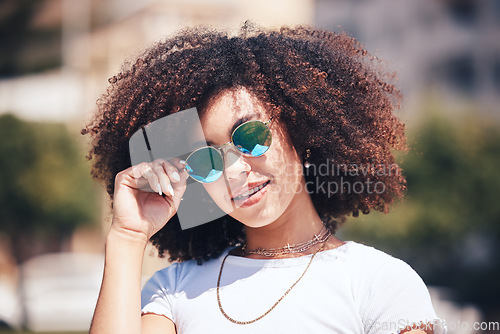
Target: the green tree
(45, 187)
(448, 227)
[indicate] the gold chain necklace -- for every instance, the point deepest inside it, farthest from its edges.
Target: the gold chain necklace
(279, 300)
(322, 236)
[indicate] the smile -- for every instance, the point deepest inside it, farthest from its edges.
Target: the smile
(246, 198)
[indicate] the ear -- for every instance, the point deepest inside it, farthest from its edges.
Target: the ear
(306, 154)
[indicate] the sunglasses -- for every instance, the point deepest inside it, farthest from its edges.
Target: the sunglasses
(251, 139)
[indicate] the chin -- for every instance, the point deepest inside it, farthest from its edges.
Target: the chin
(269, 207)
(254, 224)
(251, 219)
(257, 218)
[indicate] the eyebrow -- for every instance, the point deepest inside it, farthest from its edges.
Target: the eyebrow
(240, 121)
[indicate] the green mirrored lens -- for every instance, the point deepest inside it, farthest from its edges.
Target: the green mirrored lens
(205, 165)
(253, 138)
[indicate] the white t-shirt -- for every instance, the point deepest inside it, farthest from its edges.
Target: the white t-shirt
(349, 289)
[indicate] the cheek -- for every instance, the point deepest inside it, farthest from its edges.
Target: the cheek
(286, 168)
(219, 193)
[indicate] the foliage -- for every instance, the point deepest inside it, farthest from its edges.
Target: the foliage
(448, 227)
(45, 186)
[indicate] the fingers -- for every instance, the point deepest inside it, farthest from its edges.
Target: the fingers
(177, 178)
(160, 176)
(175, 170)
(145, 177)
(180, 164)
(164, 181)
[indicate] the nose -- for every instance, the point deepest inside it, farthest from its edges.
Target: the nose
(235, 163)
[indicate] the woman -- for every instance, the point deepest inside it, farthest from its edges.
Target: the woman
(305, 98)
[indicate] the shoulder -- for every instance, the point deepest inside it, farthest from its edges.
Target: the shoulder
(179, 273)
(164, 280)
(387, 289)
(173, 274)
(360, 249)
(375, 272)
(370, 259)
(159, 293)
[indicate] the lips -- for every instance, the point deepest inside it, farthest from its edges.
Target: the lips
(249, 190)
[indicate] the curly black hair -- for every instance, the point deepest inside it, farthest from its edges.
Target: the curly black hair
(334, 99)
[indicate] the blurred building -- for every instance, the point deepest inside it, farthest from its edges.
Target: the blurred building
(447, 48)
(59, 291)
(97, 37)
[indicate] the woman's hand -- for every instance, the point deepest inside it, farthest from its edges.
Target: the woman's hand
(146, 196)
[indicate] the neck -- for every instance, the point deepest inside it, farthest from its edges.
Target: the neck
(299, 223)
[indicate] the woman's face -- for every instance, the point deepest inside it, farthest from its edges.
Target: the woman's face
(278, 171)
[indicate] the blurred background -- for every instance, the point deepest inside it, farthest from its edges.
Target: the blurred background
(56, 57)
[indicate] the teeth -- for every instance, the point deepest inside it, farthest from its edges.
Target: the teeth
(251, 191)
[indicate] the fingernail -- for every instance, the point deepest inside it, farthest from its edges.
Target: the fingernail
(182, 162)
(176, 176)
(159, 188)
(170, 190)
